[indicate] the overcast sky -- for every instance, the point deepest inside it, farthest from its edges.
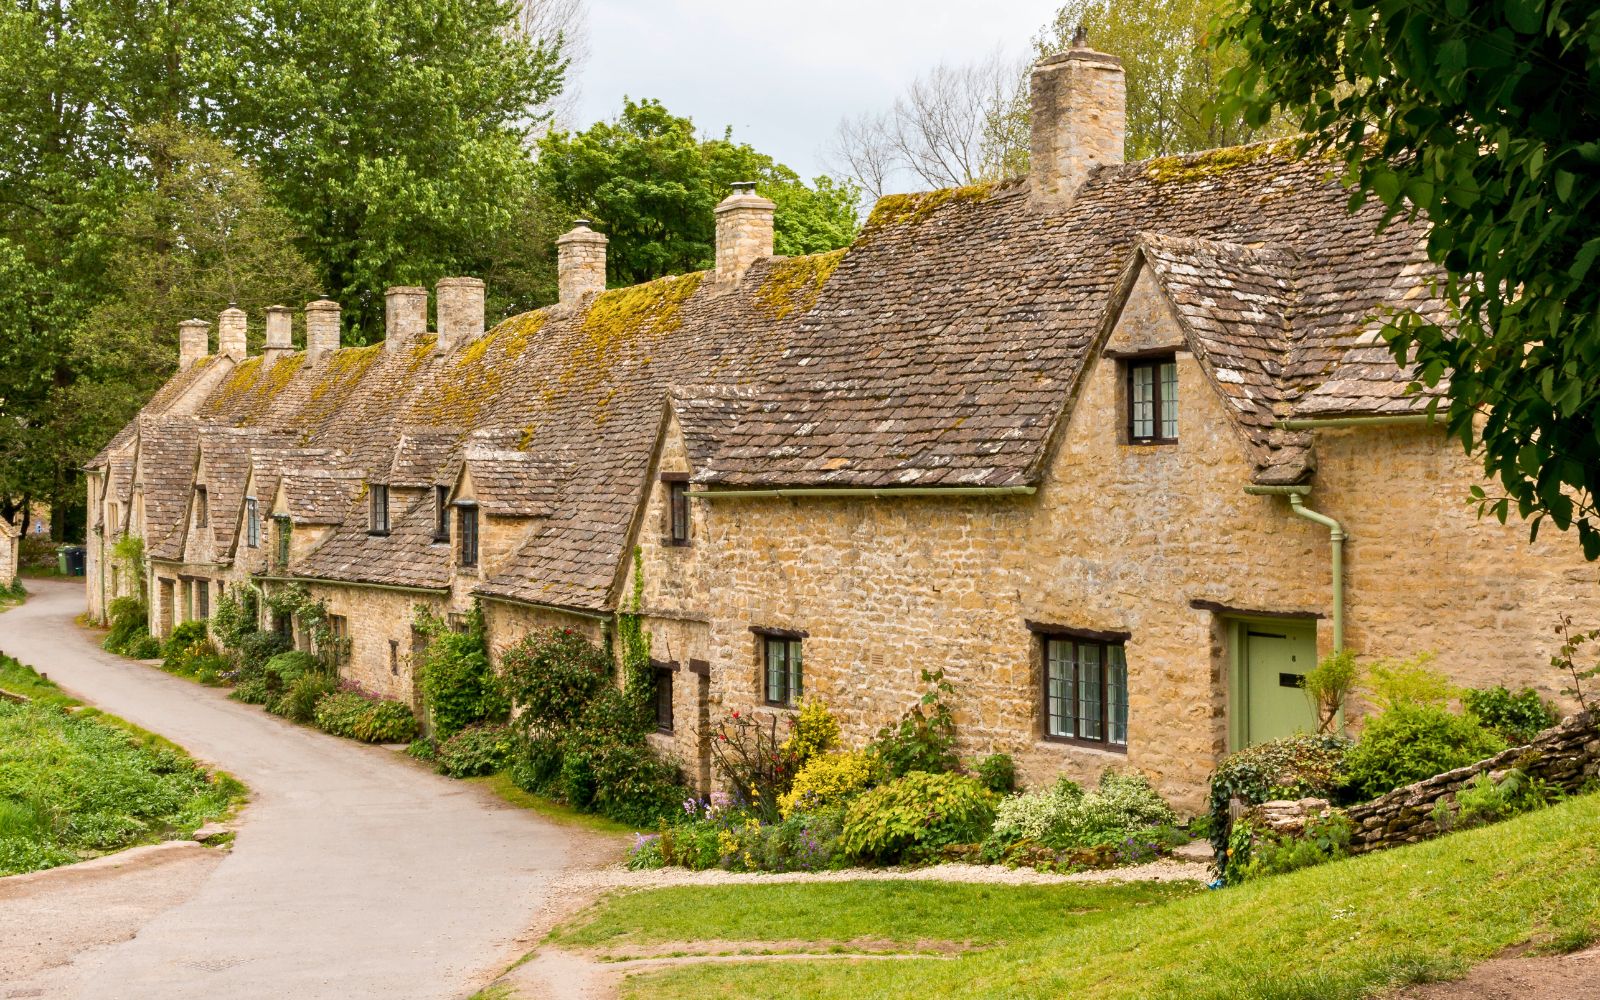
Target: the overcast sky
(783, 74)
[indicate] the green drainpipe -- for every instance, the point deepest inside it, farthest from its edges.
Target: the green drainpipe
(1336, 537)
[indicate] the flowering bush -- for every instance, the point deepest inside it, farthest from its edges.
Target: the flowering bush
(748, 752)
(1064, 816)
(815, 731)
(912, 817)
(829, 780)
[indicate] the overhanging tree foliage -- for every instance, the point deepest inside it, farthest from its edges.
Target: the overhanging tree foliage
(1484, 117)
(652, 184)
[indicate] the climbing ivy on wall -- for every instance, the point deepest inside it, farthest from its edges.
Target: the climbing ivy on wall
(310, 614)
(638, 680)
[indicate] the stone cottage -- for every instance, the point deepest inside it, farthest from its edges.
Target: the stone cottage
(1117, 446)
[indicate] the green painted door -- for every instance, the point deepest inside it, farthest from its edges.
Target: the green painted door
(1276, 658)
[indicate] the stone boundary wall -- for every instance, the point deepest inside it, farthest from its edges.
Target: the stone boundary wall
(1565, 756)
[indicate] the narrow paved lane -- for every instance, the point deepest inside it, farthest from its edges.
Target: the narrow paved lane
(354, 874)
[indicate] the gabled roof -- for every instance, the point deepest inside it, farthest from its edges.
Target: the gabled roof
(168, 447)
(406, 557)
(949, 344)
(511, 483)
(162, 403)
(228, 454)
(423, 457)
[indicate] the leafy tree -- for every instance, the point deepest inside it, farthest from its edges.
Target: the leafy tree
(392, 132)
(199, 233)
(652, 184)
(1485, 119)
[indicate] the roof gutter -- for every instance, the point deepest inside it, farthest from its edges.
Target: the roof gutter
(1336, 539)
(543, 607)
(1385, 420)
(324, 582)
(868, 492)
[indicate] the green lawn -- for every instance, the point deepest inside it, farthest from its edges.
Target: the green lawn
(1338, 932)
(80, 783)
(502, 785)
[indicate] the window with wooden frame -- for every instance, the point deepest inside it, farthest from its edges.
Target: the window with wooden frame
(394, 657)
(202, 512)
(339, 638)
(782, 669)
(1085, 690)
(285, 529)
(677, 484)
(252, 523)
(441, 513)
(378, 509)
(202, 599)
(663, 697)
(467, 531)
(1153, 399)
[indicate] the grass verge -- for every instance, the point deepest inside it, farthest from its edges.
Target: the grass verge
(76, 783)
(502, 785)
(1337, 932)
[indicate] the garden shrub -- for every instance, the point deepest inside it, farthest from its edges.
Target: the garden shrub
(913, 816)
(298, 702)
(1484, 800)
(1518, 718)
(482, 748)
(828, 781)
(753, 758)
(1410, 742)
(579, 738)
(1392, 683)
(998, 773)
(1291, 768)
(185, 637)
(458, 684)
(256, 648)
(130, 634)
(287, 667)
(356, 716)
(814, 731)
(252, 690)
(1329, 684)
(925, 737)
(1065, 817)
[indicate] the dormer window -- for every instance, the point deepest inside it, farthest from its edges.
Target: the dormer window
(1153, 400)
(252, 523)
(441, 513)
(378, 510)
(467, 532)
(202, 515)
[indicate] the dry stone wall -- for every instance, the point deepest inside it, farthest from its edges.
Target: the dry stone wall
(1566, 757)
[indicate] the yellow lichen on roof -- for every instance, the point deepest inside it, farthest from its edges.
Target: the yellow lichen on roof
(346, 368)
(899, 209)
(474, 377)
(1215, 162)
(795, 284)
(251, 388)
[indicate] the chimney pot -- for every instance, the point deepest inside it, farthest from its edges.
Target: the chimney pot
(232, 325)
(322, 329)
(580, 262)
(405, 315)
(744, 230)
(1079, 120)
(194, 341)
(460, 305)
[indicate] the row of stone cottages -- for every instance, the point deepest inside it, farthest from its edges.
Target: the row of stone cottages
(1116, 445)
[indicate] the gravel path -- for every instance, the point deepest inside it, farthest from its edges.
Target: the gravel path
(618, 877)
(354, 874)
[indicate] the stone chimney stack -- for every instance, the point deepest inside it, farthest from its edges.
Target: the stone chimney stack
(1080, 119)
(194, 341)
(744, 230)
(280, 333)
(232, 325)
(580, 262)
(405, 316)
(460, 305)
(322, 329)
